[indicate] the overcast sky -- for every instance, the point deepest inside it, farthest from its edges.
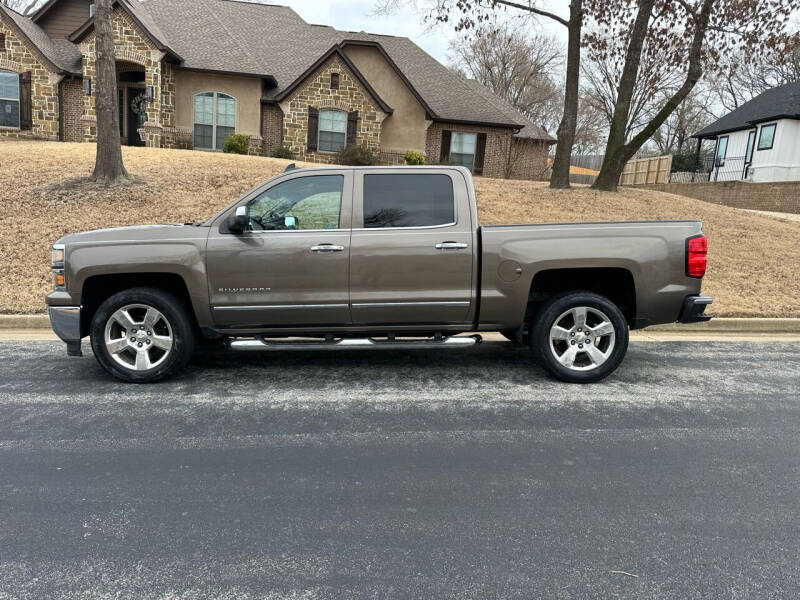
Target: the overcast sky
(358, 15)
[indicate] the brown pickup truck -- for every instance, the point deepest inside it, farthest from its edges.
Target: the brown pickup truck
(376, 257)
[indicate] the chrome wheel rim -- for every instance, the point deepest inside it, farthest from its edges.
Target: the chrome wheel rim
(138, 337)
(582, 338)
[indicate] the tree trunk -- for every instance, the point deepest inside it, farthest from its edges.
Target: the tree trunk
(619, 153)
(108, 167)
(566, 129)
(622, 107)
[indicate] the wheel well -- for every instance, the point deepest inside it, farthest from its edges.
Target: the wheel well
(99, 288)
(616, 284)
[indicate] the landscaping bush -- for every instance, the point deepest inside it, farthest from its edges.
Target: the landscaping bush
(414, 158)
(282, 152)
(236, 143)
(357, 156)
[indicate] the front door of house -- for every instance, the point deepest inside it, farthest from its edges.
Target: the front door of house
(137, 115)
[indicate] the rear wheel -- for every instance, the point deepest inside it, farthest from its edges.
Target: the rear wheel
(142, 335)
(580, 337)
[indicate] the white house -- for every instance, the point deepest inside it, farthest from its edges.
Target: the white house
(760, 140)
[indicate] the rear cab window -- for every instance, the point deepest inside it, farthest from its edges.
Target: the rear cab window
(408, 200)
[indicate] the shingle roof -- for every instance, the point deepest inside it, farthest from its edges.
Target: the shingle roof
(530, 129)
(269, 40)
(780, 102)
(62, 55)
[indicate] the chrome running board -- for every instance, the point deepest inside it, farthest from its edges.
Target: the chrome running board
(262, 343)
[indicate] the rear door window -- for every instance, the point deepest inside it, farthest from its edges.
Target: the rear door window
(408, 200)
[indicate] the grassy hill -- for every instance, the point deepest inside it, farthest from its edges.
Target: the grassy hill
(754, 263)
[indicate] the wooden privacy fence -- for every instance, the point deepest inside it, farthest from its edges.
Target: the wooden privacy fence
(647, 170)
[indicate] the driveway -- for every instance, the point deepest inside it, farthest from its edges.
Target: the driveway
(463, 474)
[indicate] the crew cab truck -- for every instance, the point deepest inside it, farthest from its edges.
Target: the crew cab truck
(374, 257)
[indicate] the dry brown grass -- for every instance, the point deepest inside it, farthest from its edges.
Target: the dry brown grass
(754, 267)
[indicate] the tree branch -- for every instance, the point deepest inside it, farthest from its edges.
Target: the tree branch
(534, 10)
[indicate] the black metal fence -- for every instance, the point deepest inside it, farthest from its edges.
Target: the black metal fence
(709, 168)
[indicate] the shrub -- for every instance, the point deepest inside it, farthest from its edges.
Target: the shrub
(357, 156)
(236, 143)
(414, 158)
(282, 152)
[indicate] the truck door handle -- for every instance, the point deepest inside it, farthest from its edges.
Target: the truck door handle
(451, 246)
(327, 248)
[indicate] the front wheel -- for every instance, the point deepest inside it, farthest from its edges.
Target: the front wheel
(142, 335)
(580, 337)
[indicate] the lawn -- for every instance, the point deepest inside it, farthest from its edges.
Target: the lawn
(754, 263)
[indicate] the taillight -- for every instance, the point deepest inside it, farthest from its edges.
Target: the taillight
(696, 252)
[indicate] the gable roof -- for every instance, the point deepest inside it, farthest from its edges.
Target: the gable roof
(60, 55)
(273, 42)
(142, 18)
(782, 102)
(336, 51)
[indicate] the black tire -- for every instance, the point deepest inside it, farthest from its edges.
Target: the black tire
(176, 323)
(552, 312)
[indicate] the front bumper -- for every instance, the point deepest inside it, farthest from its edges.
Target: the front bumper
(693, 309)
(66, 323)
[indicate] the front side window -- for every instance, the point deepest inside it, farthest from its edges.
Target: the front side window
(407, 200)
(462, 149)
(722, 150)
(332, 130)
(214, 119)
(313, 202)
(9, 99)
(767, 137)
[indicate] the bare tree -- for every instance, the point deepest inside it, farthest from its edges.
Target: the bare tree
(591, 128)
(602, 71)
(693, 34)
(23, 7)
(472, 13)
(518, 67)
(740, 80)
(108, 167)
(674, 135)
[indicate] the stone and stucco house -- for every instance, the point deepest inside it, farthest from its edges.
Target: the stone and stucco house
(191, 72)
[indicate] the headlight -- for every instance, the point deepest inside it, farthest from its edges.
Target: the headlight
(57, 264)
(58, 256)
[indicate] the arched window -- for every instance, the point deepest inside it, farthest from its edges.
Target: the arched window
(9, 99)
(214, 119)
(332, 130)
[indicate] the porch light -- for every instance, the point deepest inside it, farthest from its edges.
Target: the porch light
(87, 86)
(151, 92)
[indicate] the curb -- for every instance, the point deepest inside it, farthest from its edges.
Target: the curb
(717, 325)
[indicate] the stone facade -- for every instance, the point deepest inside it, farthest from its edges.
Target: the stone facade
(19, 58)
(131, 46)
(316, 92)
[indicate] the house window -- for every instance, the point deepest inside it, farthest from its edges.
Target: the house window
(751, 142)
(332, 130)
(767, 137)
(2, 42)
(214, 119)
(722, 151)
(334, 81)
(462, 149)
(9, 99)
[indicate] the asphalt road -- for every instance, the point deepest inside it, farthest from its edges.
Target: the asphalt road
(465, 475)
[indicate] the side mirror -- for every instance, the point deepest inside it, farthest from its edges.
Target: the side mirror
(239, 221)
